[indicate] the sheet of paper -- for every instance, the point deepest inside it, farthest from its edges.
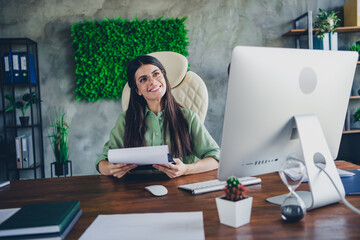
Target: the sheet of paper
(6, 213)
(160, 226)
(140, 155)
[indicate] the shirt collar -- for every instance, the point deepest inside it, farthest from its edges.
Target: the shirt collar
(148, 111)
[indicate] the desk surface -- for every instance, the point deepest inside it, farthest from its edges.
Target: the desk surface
(107, 195)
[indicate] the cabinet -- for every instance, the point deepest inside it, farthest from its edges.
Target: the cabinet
(19, 75)
(348, 147)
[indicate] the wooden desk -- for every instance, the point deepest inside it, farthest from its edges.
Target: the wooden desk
(107, 195)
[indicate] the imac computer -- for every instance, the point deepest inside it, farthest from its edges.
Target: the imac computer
(284, 103)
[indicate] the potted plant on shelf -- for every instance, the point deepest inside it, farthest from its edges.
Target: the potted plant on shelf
(325, 27)
(59, 140)
(356, 115)
(234, 208)
(356, 48)
(23, 105)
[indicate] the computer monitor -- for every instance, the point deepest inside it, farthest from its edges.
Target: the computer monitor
(285, 103)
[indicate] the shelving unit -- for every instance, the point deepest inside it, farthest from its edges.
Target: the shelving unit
(348, 147)
(298, 32)
(10, 125)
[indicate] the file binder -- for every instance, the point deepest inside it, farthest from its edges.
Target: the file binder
(7, 67)
(27, 151)
(27, 72)
(351, 184)
(15, 68)
(18, 152)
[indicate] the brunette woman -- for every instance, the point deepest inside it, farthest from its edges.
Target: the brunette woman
(155, 118)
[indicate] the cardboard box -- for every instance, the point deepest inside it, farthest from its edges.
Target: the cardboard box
(352, 13)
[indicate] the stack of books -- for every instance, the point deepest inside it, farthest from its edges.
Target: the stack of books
(49, 220)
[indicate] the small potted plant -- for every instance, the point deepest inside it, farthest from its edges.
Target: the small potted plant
(356, 115)
(23, 105)
(356, 48)
(234, 208)
(60, 142)
(325, 27)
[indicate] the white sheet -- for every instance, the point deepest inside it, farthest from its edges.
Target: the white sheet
(159, 226)
(140, 155)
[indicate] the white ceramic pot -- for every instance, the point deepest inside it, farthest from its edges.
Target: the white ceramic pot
(234, 214)
(330, 42)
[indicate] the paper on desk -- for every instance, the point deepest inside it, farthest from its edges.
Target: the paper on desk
(294, 174)
(159, 226)
(140, 155)
(6, 213)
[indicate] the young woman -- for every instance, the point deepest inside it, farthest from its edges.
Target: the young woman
(155, 118)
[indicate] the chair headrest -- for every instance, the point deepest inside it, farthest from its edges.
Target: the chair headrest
(175, 65)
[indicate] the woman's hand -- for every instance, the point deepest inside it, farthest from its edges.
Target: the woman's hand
(173, 170)
(117, 170)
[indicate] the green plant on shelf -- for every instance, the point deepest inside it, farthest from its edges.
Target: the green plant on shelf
(356, 115)
(327, 23)
(356, 48)
(23, 104)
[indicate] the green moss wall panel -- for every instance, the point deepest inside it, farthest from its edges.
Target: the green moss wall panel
(102, 50)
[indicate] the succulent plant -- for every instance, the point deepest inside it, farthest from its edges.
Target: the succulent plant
(234, 190)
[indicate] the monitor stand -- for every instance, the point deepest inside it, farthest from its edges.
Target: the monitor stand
(315, 148)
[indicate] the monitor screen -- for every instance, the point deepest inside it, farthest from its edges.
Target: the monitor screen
(267, 88)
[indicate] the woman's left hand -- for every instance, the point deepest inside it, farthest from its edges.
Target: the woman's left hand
(173, 170)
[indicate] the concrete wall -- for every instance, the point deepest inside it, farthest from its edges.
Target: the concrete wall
(215, 27)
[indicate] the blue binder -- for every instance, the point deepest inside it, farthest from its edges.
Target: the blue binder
(352, 184)
(15, 67)
(7, 67)
(27, 72)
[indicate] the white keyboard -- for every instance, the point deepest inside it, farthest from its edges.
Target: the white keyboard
(215, 185)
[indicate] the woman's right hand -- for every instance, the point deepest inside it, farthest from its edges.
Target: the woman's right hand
(117, 170)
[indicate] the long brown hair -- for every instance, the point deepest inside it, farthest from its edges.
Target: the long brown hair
(174, 119)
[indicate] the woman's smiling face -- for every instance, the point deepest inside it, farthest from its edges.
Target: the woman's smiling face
(150, 83)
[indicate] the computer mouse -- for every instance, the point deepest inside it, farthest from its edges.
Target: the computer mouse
(157, 190)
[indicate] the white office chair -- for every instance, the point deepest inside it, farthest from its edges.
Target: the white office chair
(187, 87)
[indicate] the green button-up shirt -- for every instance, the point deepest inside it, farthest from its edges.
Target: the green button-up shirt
(203, 145)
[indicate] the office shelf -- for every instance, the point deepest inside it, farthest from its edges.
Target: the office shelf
(299, 32)
(38, 165)
(20, 126)
(16, 86)
(354, 97)
(351, 131)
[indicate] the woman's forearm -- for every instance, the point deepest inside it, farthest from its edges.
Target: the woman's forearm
(203, 165)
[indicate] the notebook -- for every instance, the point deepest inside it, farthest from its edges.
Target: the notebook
(40, 218)
(48, 236)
